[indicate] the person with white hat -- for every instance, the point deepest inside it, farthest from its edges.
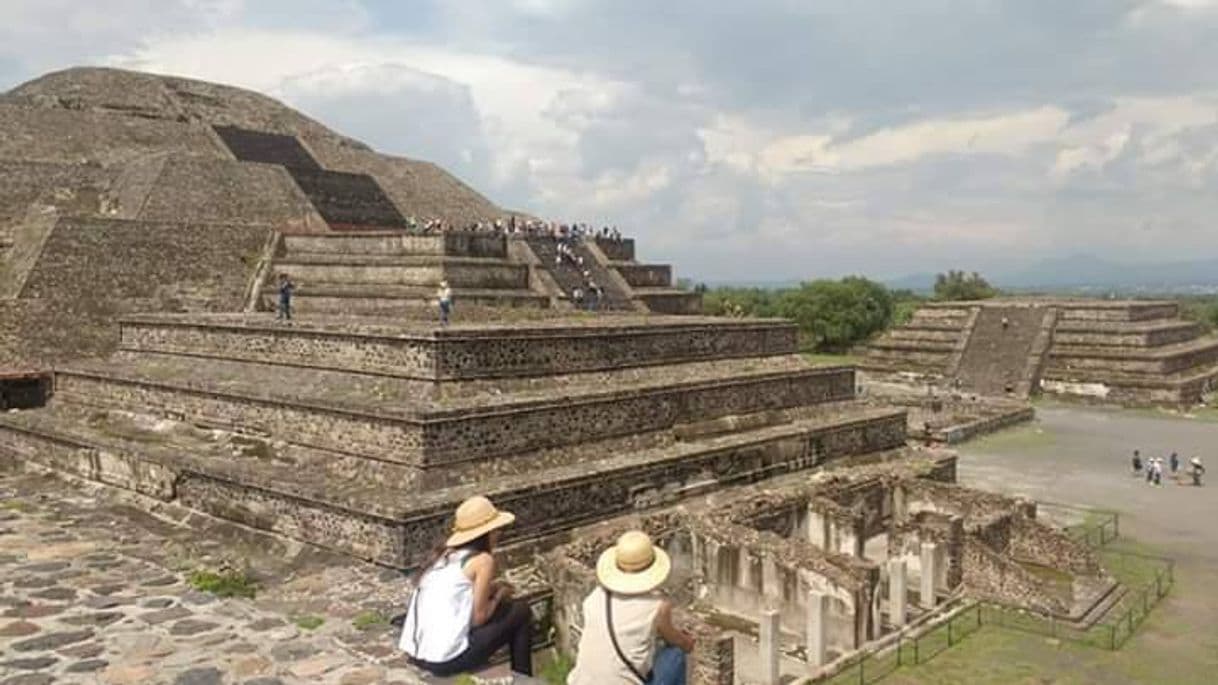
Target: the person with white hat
(623, 616)
(444, 297)
(459, 615)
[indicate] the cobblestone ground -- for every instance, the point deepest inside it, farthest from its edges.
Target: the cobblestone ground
(93, 590)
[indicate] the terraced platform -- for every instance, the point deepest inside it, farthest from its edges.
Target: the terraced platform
(361, 435)
(1128, 352)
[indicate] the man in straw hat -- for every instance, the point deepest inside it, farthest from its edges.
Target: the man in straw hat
(459, 614)
(623, 616)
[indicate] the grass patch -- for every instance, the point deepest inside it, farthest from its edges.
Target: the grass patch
(369, 620)
(555, 672)
(308, 622)
(228, 583)
(1026, 436)
(15, 505)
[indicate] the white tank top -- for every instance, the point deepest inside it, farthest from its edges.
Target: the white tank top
(445, 597)
(634, 618)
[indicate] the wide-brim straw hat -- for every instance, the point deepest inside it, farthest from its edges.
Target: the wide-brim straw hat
(634, 565)
(476, 517)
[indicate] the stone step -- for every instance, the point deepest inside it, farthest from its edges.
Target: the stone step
(485, 245)
(1134, 389)
(409, 422)
(1164, 359)
(461, 351)
(645, 275)
(399, 300)
(392, 270)
(395, 526)
(902, 344)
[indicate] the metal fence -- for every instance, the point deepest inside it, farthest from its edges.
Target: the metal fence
(1156, 574)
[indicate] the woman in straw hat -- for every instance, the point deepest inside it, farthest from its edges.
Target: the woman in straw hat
(459, 614)
(623, 616)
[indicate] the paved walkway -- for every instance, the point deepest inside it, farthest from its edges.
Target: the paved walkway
(92, 591)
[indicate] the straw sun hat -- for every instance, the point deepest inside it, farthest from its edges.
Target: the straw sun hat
(633, 566)
(476, 517)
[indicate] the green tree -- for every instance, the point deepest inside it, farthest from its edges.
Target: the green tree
(833, 315)
(957, 285)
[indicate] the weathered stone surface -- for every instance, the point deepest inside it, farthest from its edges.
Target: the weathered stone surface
(58, 594)
(191, 627)
(87, 666)
(49, 641)
(85, 651)
(103, 618)
(31, 664)
(127, 674)
(209, 675)
(163, 615)
(29, 679)
(293, 651)
(18, 629)
(157, 602)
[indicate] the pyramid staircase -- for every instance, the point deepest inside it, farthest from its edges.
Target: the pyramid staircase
(361, 436)
(346, 201)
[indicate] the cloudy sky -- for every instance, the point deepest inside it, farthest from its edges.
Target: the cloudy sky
(761, 140)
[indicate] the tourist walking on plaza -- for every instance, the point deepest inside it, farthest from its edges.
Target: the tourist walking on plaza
(444, 297)
(623, 616)
(1196, 470)
(1174, 462)
(459, 614)
(286, 286)
(1137, 462)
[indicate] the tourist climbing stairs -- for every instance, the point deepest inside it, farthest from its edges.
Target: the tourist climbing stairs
(1005, 353)
(568, 273)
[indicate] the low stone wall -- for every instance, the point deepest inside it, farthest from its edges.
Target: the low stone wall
(671, 302)
(1121, 311)
(988, 575)
(443, 437)
(646, 275)
(454, 355)
(458, 274)
(1040, 544)
(1183, 331)
(1064, 361)
(953, 435)
(617, 250)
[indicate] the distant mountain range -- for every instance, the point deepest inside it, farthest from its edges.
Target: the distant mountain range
(1088, 273)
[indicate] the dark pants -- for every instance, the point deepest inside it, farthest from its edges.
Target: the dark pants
(512, 625)
(285, 308)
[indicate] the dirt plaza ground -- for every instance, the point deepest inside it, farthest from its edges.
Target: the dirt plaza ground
(1082, 456)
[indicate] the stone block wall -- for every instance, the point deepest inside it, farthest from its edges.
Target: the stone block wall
(80, 286)
(193, 190)
(646, 275)
(455, 357)
(617, 250)
(347, 199)
(988, 575)
(71, 137)
(1040, 544)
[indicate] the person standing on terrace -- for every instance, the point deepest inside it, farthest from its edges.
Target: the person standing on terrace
(623, 617)
(444, 297)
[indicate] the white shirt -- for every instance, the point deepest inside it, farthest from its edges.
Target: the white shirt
(445, 598)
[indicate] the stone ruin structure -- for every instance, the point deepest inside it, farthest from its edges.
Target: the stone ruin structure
(1127, 352)
(146, 218)
(789, 577)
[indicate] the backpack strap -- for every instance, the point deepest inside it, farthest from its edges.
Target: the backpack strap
(613, 638)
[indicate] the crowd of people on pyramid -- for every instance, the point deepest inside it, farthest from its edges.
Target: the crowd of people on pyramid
(516, 226)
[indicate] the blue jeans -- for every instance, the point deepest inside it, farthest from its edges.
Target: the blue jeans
(669, 667)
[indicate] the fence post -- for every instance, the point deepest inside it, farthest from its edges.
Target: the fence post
(915, 641)
(949, 632)
(899, 638)
(1112, 636)
(1116, 525)
(862, 661)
